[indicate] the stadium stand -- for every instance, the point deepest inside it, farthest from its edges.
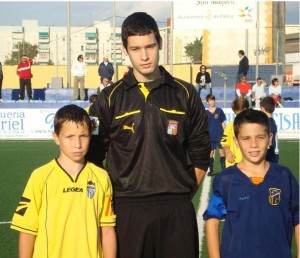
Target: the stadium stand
(10, 96)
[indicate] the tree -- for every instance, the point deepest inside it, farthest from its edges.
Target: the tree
(22, 48)
(194, 50)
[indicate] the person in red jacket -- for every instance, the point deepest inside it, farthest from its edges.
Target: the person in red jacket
(24, 73)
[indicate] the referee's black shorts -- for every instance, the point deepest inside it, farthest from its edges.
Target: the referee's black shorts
(156, 227)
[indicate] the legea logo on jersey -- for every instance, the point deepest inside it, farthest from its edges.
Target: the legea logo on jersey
(91, 189)
(274, 197)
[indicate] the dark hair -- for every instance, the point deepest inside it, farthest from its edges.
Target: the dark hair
(274, 80)
(269, 104)
(209, 97)
(71, 113)
(258, 78)
(250, 116)
(242, 52)
(239, 104)
(139, 24)
(80, 56)
(93, 98)
(202, 67)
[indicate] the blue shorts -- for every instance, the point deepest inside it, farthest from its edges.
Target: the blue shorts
(215, 145)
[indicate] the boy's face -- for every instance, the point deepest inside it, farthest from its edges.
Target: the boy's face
(253, 141)
(73, 141)
(212, 102)
(143, 52)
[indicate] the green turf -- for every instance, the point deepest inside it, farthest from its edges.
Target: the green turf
(19, 158)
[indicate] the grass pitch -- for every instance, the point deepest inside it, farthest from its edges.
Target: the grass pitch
(19, 158)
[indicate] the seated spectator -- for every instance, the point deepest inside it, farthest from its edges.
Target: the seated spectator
(275, 92)
(202, 79)
(105, 83)
(244, 90)
(258, 91)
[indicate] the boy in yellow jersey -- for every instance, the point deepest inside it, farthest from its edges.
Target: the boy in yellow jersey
(233, 154)
(66, 207)
(92, 100)
(258, 199)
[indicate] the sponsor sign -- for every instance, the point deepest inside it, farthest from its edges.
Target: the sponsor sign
(38, 123)
(210, 14)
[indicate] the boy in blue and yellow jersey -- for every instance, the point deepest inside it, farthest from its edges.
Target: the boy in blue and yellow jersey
(268, 106)
(259, 200)
(66, 207)
(216, 126)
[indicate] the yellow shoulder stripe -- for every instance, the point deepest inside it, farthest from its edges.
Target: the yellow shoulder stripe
(113, 92)
(187, 92)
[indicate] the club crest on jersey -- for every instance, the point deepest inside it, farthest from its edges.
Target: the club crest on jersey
(172, 127)
(216, 116)
(91, 189)
(274, 197)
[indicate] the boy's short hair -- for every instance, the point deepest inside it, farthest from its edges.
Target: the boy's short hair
(269, 104)
(242, 52)
(250, 116)
(71, 113)
(139, 24)
(209, 97)
(93, 98)
(258, 78)
(239, 104)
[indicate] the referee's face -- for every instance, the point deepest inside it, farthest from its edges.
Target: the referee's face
(73, 141)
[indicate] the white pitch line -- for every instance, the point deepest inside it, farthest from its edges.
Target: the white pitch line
(203, 201)
(5, 222)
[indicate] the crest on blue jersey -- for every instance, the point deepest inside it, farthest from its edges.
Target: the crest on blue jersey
(275, 196)
(216, 116)
(91, 189)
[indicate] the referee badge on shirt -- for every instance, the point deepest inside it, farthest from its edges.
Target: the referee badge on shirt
(91, 189)
(274, 197)
(172, 127)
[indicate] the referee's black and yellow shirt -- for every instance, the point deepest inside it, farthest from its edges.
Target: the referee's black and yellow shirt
(154, 133)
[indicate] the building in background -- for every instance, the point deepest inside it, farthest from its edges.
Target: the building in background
(93, 42)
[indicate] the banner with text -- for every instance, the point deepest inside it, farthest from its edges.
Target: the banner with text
(38, 123)
(220, 14)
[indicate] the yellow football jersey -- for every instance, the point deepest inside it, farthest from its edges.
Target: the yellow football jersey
(65, 213)
(228, 141)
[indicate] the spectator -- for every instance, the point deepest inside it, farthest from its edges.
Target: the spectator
(155, 131)
(79, 71)
(25, 75)
(202, 80)
(258, 91)
(106, 70)
(233, 154)
(66, 207)
(216, 126)
(268, 106)
(244, 90)
(275, 92)
(243, 66)
(127, 70)
(105, 83)
(1, 80)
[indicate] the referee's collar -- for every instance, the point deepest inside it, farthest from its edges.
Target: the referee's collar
(166, 78)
